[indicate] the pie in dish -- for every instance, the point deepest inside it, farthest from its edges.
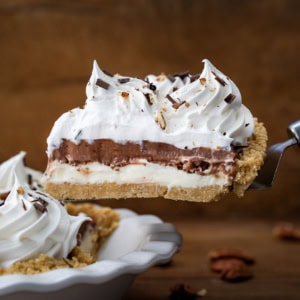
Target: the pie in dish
(121, 258)
(39, 233)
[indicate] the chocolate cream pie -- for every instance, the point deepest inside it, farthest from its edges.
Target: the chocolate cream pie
(182, 137)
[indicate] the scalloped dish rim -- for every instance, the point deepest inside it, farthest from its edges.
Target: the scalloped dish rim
(151, 242)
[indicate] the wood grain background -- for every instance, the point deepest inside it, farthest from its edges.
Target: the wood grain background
(47, 49)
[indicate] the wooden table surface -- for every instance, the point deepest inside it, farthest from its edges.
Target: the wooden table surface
(276, 271)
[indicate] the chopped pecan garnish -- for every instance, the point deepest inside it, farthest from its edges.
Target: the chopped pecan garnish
(149, 98)
(161, 120)
(203, 81)
(20, 190)
(125, 95)
(183, 291)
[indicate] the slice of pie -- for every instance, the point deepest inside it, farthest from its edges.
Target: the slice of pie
(182, 137)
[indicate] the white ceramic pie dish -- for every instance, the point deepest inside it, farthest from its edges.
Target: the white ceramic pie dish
(140, 242)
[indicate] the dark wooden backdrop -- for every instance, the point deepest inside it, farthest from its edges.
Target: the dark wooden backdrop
(47, 48)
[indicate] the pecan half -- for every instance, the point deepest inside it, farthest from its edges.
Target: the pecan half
(287, 231)
(232, 264)
(230, 253)
(237, 272)
(232, 269)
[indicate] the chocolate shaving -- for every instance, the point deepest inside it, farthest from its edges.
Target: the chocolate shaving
(170, 99)
(40, 205)
(149, 98)
(107, 73)
(102, 84)
(40, 200)
(152, 87)
(29, 179)
(24, 206)
(78, 134)
(41, 193)
(176, 105)
(220, 80)
(123, 80)
(229, 99)
(3, 196)
(175, 88)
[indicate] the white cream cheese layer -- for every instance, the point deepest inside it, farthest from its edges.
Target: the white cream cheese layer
(187, 113)
(96, 173)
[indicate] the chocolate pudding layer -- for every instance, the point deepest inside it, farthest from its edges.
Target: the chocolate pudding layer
(200, 160)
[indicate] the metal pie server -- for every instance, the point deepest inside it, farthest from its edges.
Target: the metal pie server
(274, 153)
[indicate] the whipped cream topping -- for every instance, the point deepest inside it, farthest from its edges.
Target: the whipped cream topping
(31, 222)
(168, 84)
(210, 104)
(15, 167)
(185, 111)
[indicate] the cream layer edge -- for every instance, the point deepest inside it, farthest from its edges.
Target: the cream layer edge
(94, 172)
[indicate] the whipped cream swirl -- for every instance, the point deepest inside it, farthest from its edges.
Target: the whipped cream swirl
(15, 168)
(209, 103)
(185, 111)
(31, 222)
